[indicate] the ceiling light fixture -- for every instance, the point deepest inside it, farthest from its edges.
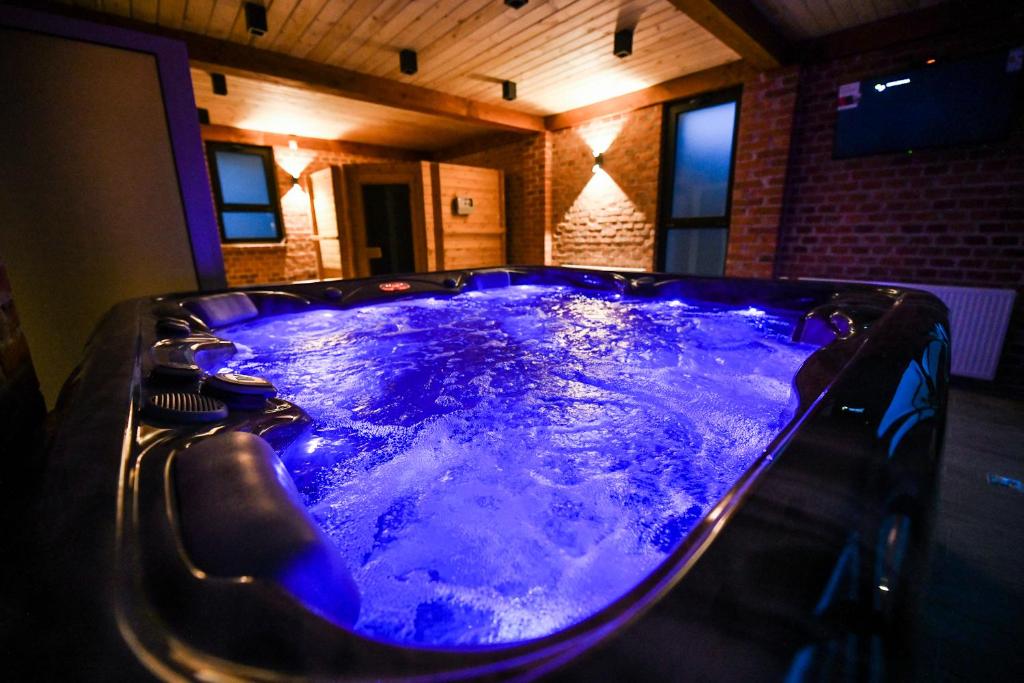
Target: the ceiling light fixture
(516, 4)
(407, 62)
(293, 145)
(255, 19)
(219, 84)
(623, 43)
(508, 90)
(598, 162)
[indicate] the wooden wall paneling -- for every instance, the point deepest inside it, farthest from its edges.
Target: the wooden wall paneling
(478, 239)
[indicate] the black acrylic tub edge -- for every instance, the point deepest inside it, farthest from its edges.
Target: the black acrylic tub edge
(541, 655)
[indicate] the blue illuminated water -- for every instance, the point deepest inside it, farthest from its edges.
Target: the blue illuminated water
(499, 465)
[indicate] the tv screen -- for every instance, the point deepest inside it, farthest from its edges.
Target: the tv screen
(964, 101)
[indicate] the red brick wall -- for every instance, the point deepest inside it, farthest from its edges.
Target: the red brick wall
(607, 218)
(946, 216)
(759, 177)
(295, 257)
(526, 163)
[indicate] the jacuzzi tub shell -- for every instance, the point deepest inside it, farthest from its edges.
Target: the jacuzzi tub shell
(177, 564)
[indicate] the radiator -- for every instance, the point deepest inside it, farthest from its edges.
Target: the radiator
(978, 320)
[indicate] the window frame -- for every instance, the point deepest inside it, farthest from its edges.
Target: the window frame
(670, 136)
(270, 174)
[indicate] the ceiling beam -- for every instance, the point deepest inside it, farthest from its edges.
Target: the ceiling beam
(709, 80)
(241, 60)
(740, 25)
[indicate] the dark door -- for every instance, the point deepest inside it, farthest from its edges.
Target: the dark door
(388, 217)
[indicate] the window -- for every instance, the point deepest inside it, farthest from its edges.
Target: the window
(700, 145)
(245, 192)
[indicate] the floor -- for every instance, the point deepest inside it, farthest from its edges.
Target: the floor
(974, 600)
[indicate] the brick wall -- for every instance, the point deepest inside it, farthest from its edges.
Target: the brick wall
(607, 218)
(295, 257)
(946, 216)
(763, 142)
(526, 163)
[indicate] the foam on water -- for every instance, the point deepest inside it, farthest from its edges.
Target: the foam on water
(499, 465)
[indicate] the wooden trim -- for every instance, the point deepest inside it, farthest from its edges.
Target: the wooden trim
(357, 175)
(717, 78)
(220, 133)
(435, 202)
(902, 29)
(741, 26)
(236, 59)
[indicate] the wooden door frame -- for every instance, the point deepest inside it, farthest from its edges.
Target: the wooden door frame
(399, 173)
(341, 215)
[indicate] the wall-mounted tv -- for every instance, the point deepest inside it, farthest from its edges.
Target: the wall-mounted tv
(969, 100)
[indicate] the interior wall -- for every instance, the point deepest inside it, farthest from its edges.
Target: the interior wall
(526, 163)
(89, 193)
(607, 217)
(295, 257)
(953, 215)
(477, 239)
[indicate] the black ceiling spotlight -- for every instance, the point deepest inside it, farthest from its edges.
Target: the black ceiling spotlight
(516, 4)
(255, 18)
(624, 43)
(407, 62)
(219, 83)
(204, 115)
(508, 90)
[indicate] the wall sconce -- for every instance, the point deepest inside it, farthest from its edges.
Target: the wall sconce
(598, 162)
(293, 145)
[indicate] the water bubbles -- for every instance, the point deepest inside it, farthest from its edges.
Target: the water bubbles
(499, 465)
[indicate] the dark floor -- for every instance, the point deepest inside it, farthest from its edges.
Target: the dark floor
(974, 601)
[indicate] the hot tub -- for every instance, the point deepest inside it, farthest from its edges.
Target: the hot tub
(502, 473)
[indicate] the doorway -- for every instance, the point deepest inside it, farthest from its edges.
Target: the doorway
(387, 216)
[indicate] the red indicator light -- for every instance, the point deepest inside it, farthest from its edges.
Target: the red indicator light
(395, 286)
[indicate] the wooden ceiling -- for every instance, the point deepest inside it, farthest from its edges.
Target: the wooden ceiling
(256, 104)
(559, 52)
(805, 19)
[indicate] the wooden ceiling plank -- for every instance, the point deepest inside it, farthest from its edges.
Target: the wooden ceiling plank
(739, 24)
(274, 67)
(462, 34)
(302, 15)
(443, 60)
(594, 41)
(341, 29)
(171, 13)
(408, 21)
(278, 13)
(545, 48)
(367, 31)
(122, 8)
(222, 19)
(145, 10)
(687, 86)
(453, 13)
(197, 15)
(597, 56)
(317, 29)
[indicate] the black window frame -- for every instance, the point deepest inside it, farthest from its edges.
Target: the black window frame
(269, 173)
(668, 156)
